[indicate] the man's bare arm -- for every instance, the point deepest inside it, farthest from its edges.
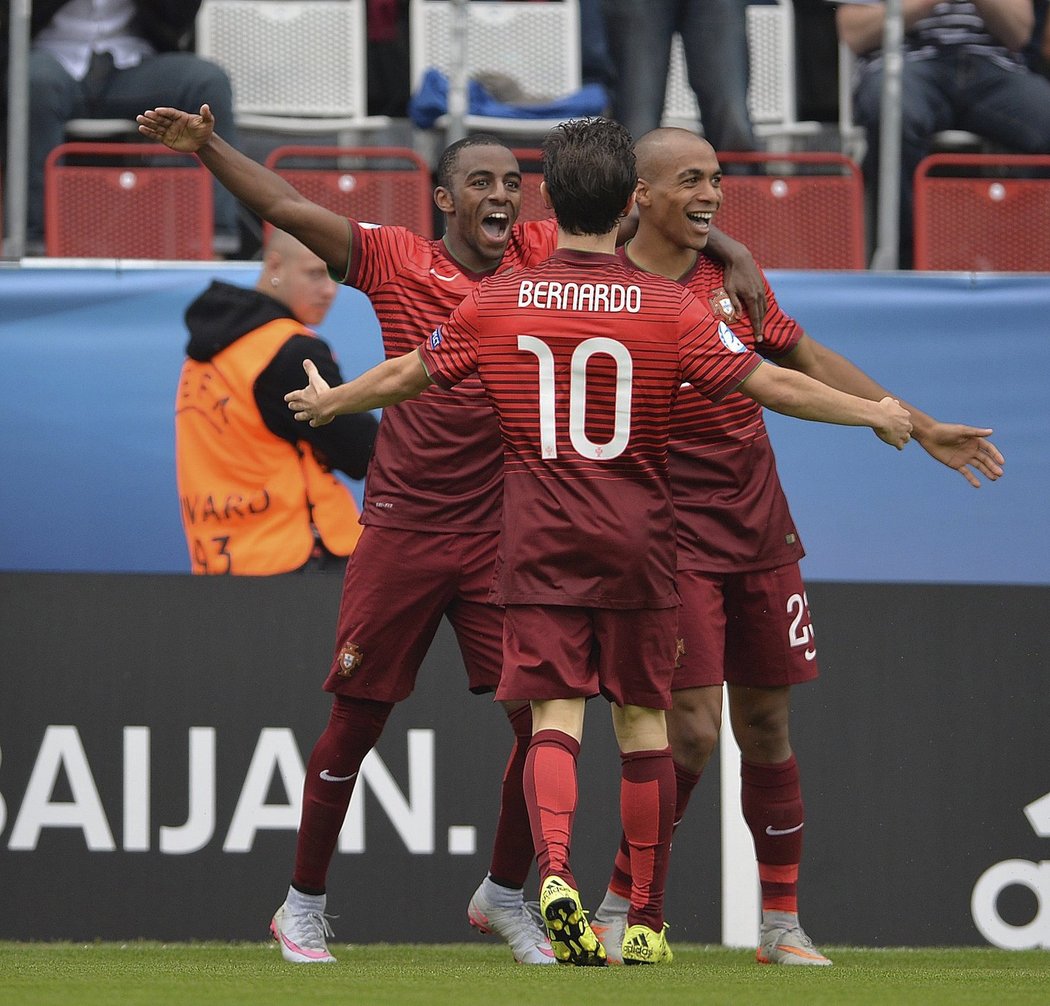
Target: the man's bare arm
(743, 279)
(392, 381)
(795, 394)
(325, 233)
(964, 449)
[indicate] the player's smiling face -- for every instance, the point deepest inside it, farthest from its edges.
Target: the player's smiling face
(684, 193)
(481, 206)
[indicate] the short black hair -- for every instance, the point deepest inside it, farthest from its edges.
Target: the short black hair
(590, 171)
(447, 163)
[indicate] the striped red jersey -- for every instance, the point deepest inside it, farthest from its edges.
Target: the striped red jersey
(582, 358)
(438, 461)
(731, 510)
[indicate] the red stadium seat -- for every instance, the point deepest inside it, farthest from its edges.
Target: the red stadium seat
(379, 185)
(983, 213)
(530, 160)
(795, 210)
(126, 200)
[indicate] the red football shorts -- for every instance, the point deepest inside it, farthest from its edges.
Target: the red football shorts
(745, 629)
(398, 585)
(553, 652)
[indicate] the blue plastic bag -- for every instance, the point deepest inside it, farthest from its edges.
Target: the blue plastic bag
(430, 102)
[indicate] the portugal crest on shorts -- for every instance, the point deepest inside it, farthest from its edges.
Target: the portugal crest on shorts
(349, 660)
(721, 305)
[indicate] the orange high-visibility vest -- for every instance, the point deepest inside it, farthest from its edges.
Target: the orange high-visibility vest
(250, 501)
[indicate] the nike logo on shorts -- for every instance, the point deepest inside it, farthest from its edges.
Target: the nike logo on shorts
(328, 777)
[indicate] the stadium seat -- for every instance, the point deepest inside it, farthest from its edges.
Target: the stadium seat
(983, 213)
(381, 185)
(530, 161)
(536, 45)
(802, 210)
(110, 200)
(91, 130)
(771, 89)
(297, 66)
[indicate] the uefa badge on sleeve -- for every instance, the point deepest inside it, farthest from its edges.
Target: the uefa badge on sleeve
(729, 339)
(349, 660)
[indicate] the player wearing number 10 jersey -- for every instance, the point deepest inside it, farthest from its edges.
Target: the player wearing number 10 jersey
(582, 360)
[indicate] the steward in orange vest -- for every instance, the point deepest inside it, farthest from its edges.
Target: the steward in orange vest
(256, 489)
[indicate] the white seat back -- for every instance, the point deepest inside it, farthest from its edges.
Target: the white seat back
(535, 44)
(295, 65)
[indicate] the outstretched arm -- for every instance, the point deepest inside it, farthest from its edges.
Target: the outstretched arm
(964, 449)
(797, 395)
(392, 381)
(325, 233)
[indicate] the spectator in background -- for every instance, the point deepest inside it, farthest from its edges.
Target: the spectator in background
(107, 59)
(714, 34)
(1037, 52)
(388, 62)
(256, 490)
(962, 69)
(596, 65)
(816, 61)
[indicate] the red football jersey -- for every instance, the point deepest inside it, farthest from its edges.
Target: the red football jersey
(582, 359)
(730, 507)
(438, 461)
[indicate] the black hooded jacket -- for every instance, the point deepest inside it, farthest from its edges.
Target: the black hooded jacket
(222, 315)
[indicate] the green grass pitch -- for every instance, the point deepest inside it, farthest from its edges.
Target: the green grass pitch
(200, 974)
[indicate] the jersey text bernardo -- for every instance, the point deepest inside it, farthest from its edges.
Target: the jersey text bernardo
(554, 296)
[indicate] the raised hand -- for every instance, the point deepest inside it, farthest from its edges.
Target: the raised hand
(182, 131)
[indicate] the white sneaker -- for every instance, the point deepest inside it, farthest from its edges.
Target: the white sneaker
(518, 926)
(788, 945)
(610, 925)
(302, 937)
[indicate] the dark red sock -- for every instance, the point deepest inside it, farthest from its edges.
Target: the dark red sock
(771, 798)
(512, 850)
(647, 808)
(685, 783)
(353, 729)
(550, 793)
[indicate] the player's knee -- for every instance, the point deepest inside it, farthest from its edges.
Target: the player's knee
(694, 736)
(763, 738)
